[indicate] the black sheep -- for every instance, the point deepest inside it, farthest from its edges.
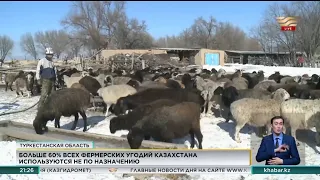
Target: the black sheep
(309, 94)
(276, 77)
(187, 81)
(218, 91)
(65, 102)
(138, 75)
(213, 71)
(168, 123)
(146, 96)
(253, 79)
(91, 84)
(125, 122)
(173, 84)
(315, 78)
(298, 89)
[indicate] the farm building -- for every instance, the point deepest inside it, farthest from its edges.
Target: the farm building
(199, 56)
(258, 57)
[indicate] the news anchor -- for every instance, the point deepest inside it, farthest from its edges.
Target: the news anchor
(278, 148)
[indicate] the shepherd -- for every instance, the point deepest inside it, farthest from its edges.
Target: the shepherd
(46, 75)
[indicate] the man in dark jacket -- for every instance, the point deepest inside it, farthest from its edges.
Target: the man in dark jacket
(46, 74)
(278, 148)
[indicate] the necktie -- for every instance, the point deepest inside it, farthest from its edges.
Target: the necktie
(277, 143)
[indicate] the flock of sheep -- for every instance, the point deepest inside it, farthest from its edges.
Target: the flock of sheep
(166, 103)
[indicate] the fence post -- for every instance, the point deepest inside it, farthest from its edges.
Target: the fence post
(143, 64)
(112, 65)
(132, 61)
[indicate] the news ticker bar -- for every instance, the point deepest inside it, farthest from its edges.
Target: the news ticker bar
(160, 170)
(141, 157)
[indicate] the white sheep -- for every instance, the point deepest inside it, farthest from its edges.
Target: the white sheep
(70, 80)
(257, 112)
(302, 114)
(111, 94)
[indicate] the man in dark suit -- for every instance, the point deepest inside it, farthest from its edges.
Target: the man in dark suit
(278, 148)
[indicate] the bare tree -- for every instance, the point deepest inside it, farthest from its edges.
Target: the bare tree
(308, 28)
(6, 45)
(230, 37)
(56, 39)
(130, 34)
(76, 43)
(28, 45)
(204, 31)
(41, 40)
(96, 18)
(306, 37)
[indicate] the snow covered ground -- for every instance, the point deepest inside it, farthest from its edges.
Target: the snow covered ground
(215, 132)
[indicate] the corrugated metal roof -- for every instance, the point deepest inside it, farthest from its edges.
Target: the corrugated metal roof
(179, 49)
(257, 52)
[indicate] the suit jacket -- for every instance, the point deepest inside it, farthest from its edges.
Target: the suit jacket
(266, 150)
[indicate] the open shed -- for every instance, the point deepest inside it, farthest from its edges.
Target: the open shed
(245, 57)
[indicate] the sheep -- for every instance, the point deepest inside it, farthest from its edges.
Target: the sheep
(257, 112)
(21, 84)
(30, 82)
(79, 86)
(170, 83)
(301, 114)
(276, 77)
(91, 84)
(287, 87)
(168, 123)
(101, 79)
(253, 79)
(288, 80)
(146, 85)
(11, 77)
(117, 80)
(132, 101)
(77, 74)
(263, 85)
(207, 88)
(70, 80)
(111, 94)
(240, 82)
(311, 94)
(315, 78)
(125, 122)
(187, 81)
(65, 102)
(231, 94)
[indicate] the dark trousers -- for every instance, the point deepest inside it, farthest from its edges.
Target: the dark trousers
(47, 88)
